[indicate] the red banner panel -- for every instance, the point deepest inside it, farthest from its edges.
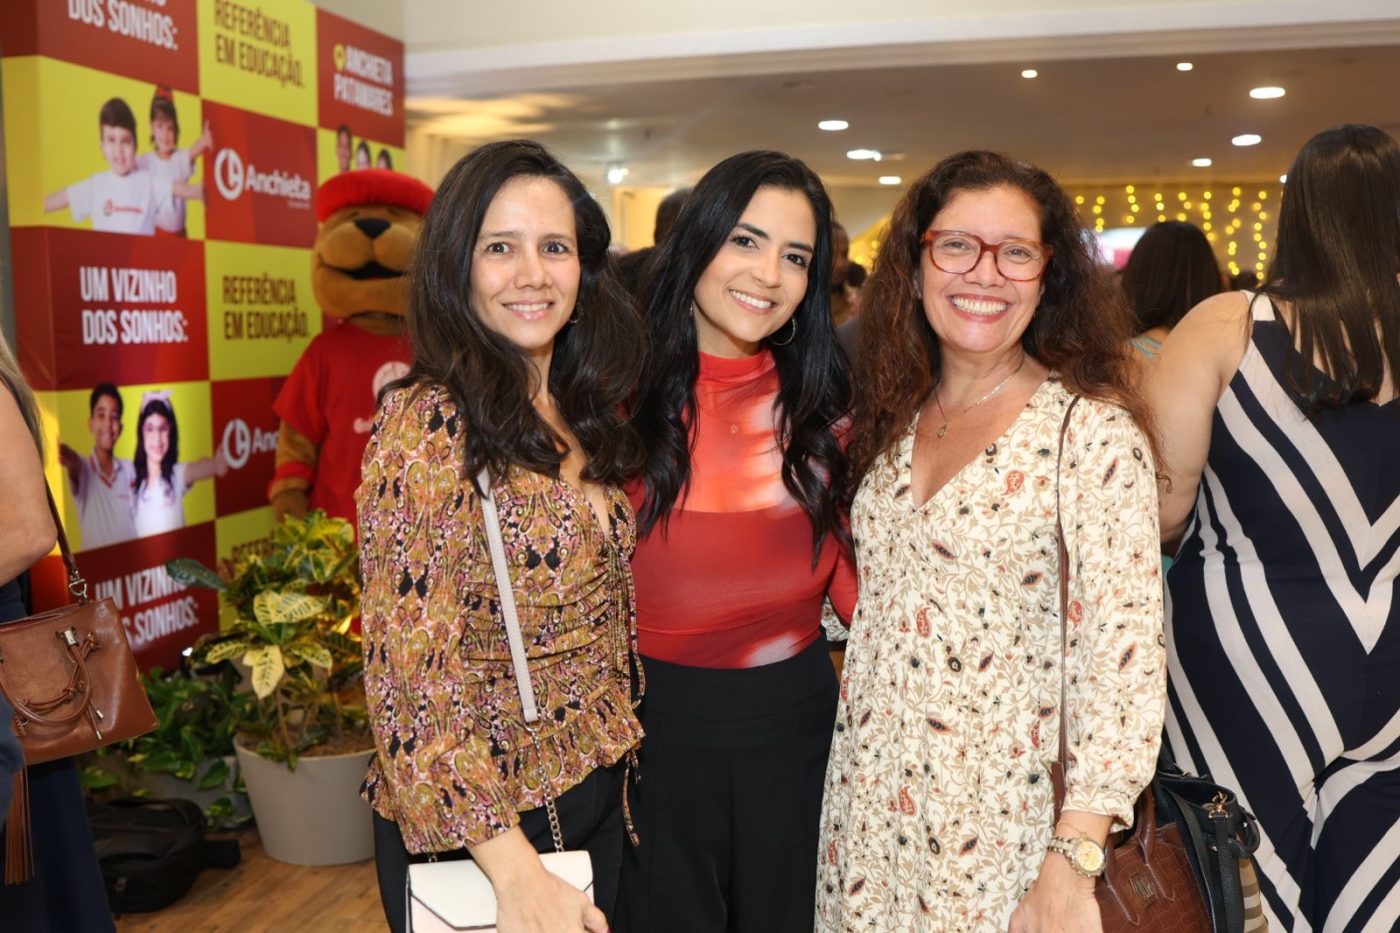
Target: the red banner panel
(359, 80)
(124, 309)
(261, 180)
(148, 41)
(29, 258)
(161, 617)
(245, 429)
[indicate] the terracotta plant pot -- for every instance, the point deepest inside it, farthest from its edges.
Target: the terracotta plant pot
(313, 815)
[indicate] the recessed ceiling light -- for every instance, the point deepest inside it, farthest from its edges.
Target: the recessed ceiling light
(832, 126)
(890, 179)
(1201, 163)
(1029, 73)
(1184, 66)
(1283, 179)
(1247, 139)
(1266, 93)
(616, 174)
(864, 154)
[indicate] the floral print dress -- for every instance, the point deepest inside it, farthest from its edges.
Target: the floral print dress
(938, 801)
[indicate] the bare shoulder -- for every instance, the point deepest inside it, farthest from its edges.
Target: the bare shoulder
(1211, 337)
(1221, 321)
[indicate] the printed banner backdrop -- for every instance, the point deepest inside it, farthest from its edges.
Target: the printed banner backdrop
(162, 159)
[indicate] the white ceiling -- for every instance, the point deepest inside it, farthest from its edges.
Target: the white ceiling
(1088, 121)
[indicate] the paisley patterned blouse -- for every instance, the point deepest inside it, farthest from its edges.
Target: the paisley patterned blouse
(938, 799)
(455, 762)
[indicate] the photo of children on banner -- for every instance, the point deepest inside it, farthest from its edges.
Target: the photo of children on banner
(123, 499)
(103, 485)
(161, 480)
(168, 162)
(128, 197)
(362, 156)
(344, 148)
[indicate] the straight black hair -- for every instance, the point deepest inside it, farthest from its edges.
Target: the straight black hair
(1336, 262)
(172, 451)
(109, 390)
(1171, 270)
(814, 388)
(596, 361)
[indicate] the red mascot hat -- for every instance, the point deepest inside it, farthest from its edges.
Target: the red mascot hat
(368, 186)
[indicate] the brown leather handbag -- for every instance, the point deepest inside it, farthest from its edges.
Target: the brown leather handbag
(1154, 879)
(71, 677)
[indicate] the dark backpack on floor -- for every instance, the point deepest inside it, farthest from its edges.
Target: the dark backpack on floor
(150, 850)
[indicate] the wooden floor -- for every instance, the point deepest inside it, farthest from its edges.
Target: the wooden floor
(265, 895)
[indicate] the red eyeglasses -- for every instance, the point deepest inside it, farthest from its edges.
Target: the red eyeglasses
(956, 252)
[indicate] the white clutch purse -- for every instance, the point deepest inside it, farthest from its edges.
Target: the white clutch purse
(445, 897)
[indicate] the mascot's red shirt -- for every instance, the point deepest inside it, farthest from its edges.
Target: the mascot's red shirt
(330, 397)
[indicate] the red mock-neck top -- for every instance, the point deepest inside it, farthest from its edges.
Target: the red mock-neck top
(729, 582)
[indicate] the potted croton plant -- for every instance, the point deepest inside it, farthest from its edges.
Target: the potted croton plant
(304, 746)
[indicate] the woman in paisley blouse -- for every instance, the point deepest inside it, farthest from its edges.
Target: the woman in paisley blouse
(525, 348)
(983, 319)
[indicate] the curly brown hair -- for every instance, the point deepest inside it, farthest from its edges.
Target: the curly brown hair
(1080, 329)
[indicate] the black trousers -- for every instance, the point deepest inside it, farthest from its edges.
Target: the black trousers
(730, 797)
(590, 815)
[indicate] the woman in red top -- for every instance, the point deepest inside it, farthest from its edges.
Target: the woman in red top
(739, 545)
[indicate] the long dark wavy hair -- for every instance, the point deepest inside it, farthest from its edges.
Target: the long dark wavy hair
(1171, 270)
(1080, 329)
(814, 388)
(596, 361)
(172, 451)
(1335, 264)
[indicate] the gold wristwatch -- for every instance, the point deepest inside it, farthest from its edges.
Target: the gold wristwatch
(1083, 854)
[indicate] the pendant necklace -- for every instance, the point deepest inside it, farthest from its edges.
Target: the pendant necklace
(943, 428)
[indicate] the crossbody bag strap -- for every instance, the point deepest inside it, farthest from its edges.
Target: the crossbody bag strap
(507, 597)
(1064, 616)
(76, 584)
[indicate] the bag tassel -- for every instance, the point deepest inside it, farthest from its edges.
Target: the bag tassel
(19, 848)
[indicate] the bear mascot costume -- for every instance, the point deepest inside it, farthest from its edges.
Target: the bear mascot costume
(369, 222)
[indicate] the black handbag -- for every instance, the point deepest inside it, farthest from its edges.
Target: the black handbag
(1220, 837)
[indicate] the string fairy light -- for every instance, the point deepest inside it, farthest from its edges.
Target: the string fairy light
(1224, 212)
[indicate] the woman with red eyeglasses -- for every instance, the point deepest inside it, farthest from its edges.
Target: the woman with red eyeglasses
(983, 320)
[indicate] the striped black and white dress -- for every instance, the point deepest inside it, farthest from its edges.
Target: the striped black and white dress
(1283, 628)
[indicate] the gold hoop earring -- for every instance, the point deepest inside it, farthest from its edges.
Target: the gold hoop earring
(792, 336)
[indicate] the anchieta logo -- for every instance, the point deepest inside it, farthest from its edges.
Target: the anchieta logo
(232, 178)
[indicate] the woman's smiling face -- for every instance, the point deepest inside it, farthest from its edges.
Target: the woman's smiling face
(759, 276)
(981, 312)
(525, 271)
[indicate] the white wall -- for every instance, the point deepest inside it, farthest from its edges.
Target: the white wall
(474, 49)
(386, 16)
(453, 24)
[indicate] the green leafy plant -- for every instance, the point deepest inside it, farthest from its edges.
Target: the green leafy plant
(198, 717)
(292, 605)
